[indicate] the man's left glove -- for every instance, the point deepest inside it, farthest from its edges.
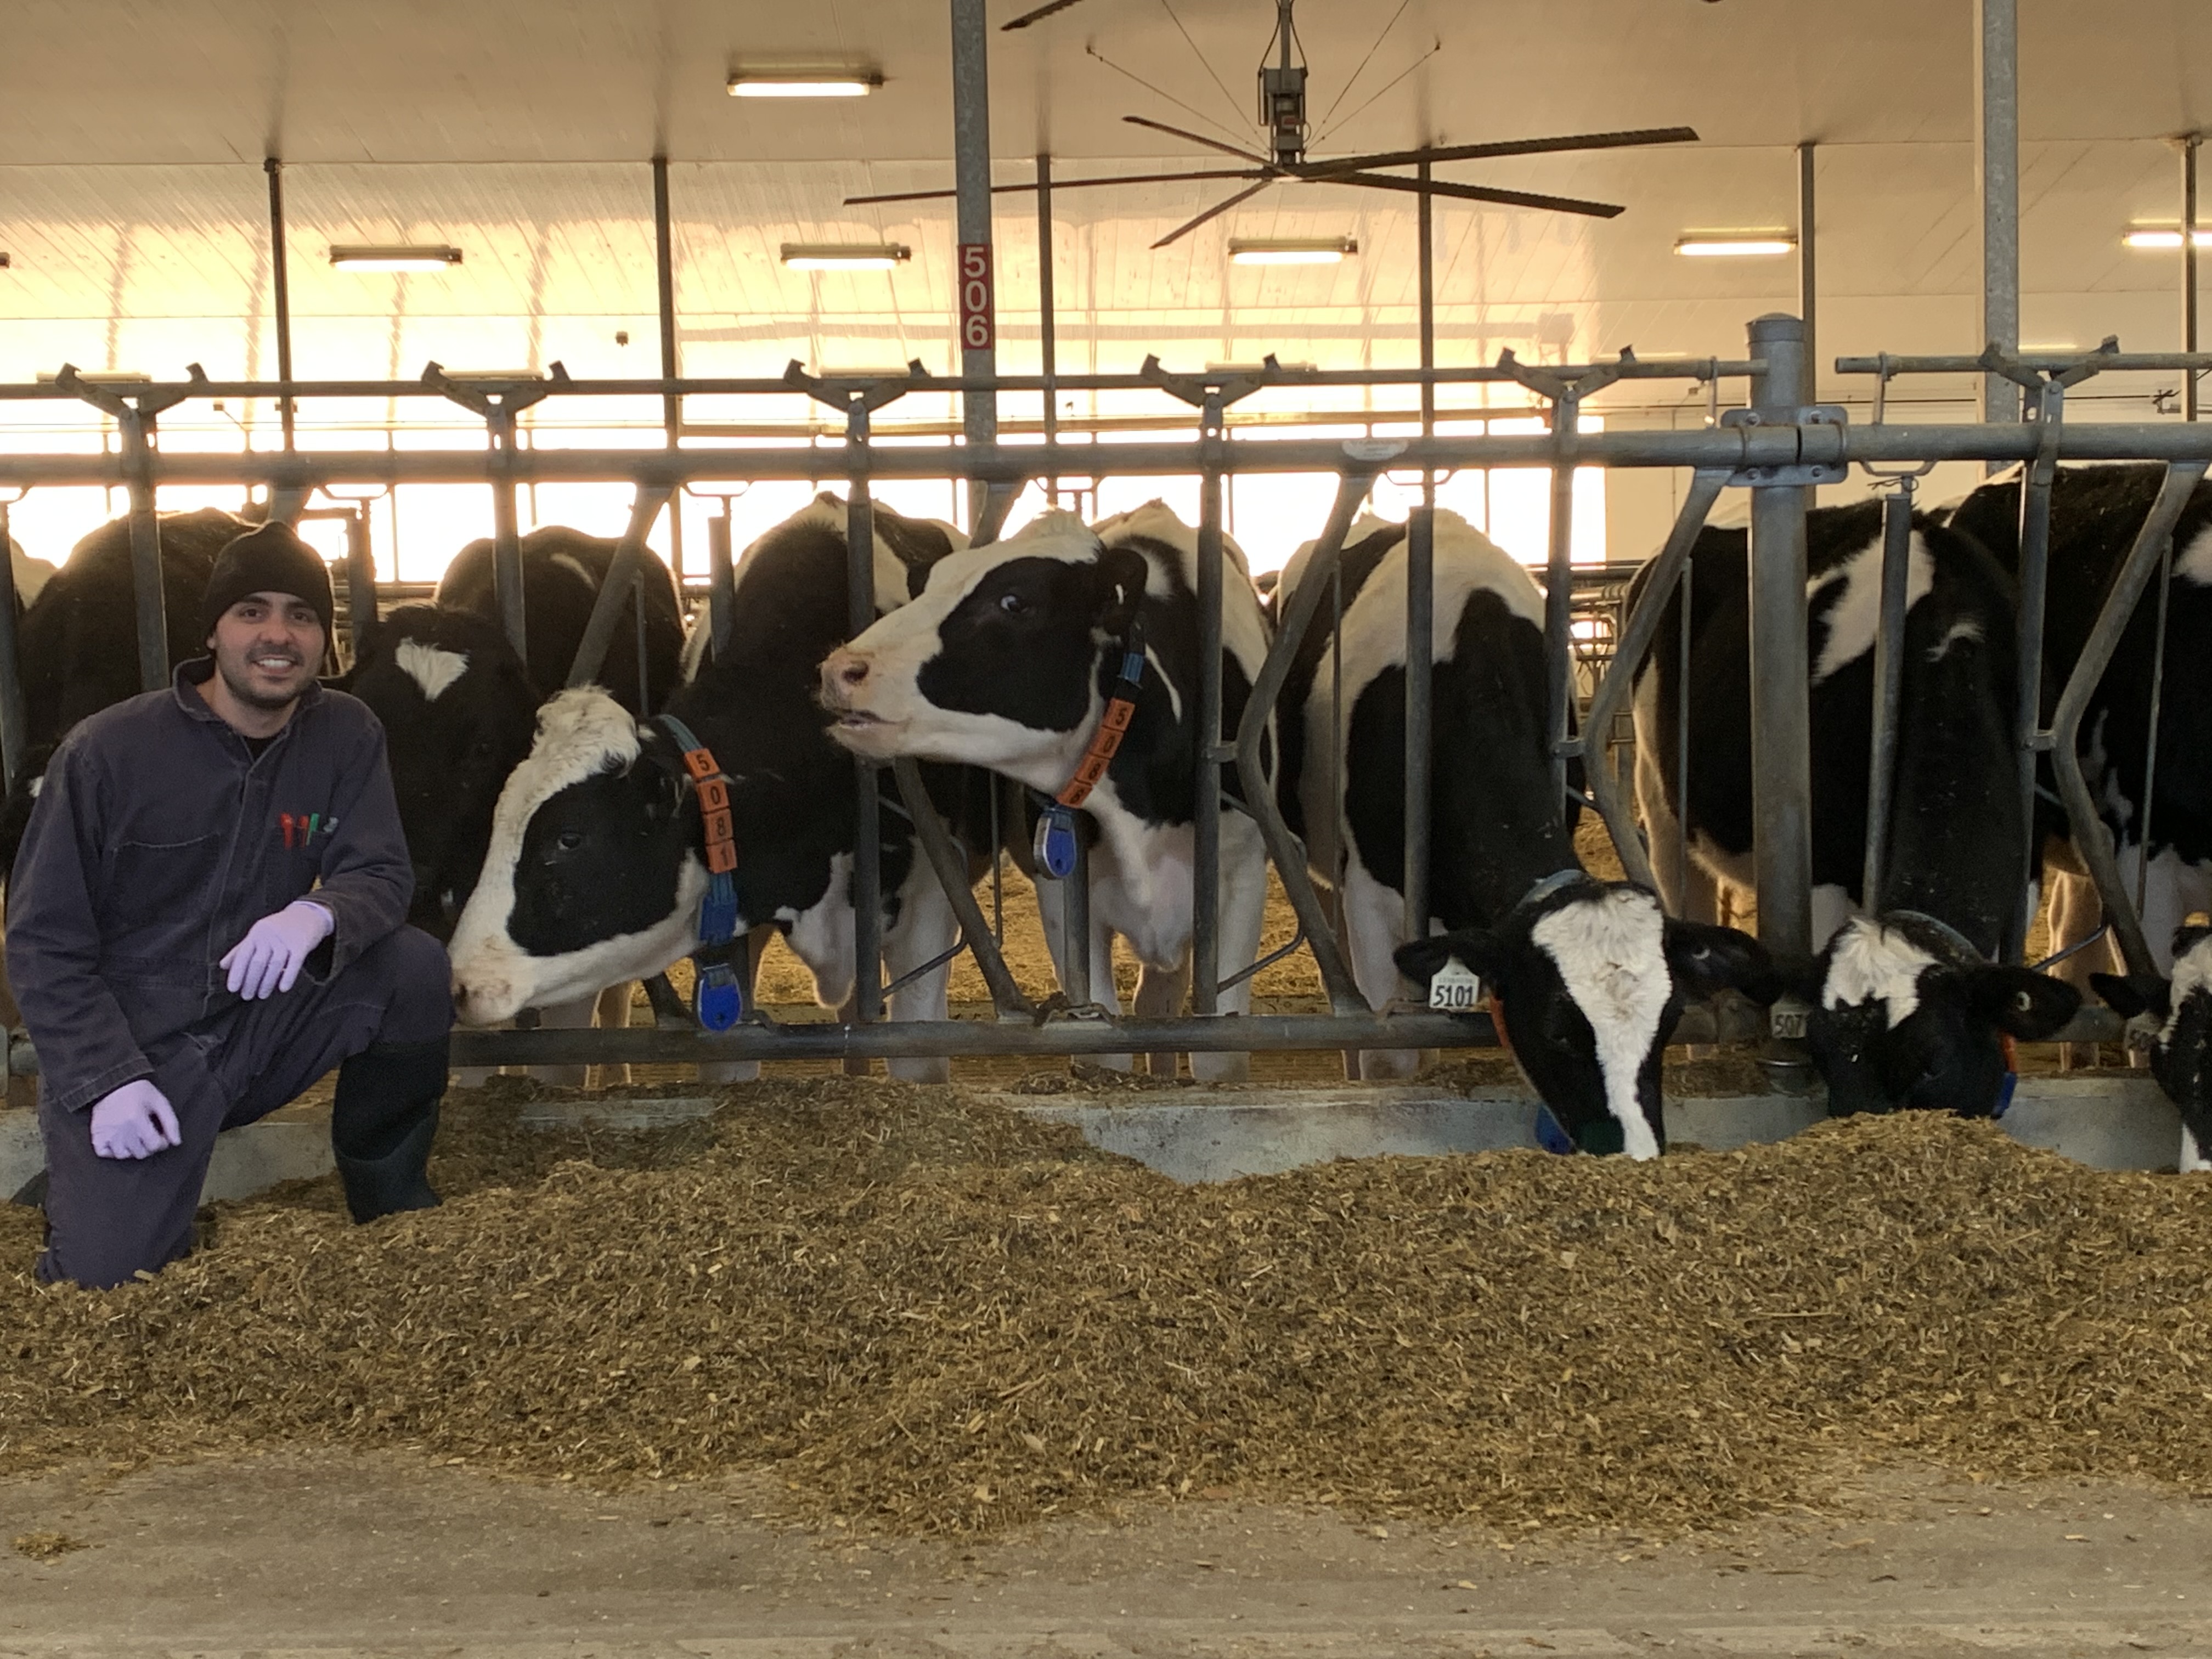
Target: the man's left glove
(269, 958)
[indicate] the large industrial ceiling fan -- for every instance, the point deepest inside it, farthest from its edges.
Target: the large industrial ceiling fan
(1283, 113)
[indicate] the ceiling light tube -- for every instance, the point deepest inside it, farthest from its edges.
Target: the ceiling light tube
(1737, 245)
(397, 256)
(796, 83)
(843, 256)
(2166, 236)
(1292, 250)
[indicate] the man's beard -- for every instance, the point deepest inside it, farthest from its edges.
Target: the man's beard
(244, 692)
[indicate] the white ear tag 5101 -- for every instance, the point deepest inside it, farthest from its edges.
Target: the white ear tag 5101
(1455, 988)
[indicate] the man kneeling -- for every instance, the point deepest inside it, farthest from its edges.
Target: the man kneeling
(207, 915)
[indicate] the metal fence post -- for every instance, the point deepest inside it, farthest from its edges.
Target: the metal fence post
(506, 532)
(1206, 866)
(1420, 604)
(1888, 686)
(867, 846)
(361, 578)
(1559, 594)
(146, 552)
(1781, 713)
(721, 581)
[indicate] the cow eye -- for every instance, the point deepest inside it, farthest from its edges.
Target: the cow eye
(570, 840)
(1012, 604)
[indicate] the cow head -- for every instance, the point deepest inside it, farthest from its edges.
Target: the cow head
(456, 704)
(2181, 1043)
(1587, 979)
(593, 875)
(1906, 1014)
(996, 663)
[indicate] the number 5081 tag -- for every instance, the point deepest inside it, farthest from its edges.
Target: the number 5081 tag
(1455, 988)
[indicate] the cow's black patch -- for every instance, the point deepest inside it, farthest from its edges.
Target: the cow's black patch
(1022, 643)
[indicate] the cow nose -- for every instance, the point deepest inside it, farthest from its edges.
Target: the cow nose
(844, 673)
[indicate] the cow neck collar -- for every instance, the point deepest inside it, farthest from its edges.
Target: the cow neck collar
(1940, 928)
(718, 997)
(1055, 844)
(1540, 890)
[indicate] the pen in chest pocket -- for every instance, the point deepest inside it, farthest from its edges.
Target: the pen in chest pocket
(298, 830)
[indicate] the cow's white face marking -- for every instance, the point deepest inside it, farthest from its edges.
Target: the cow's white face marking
(580, 732)
(1871, 963)
(1611, 953)
(1852, 619)
(432, 667)
(1966, 632)
(2192, 977)
(2194, 562)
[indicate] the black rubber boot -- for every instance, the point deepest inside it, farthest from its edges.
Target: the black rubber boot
(382, 1121)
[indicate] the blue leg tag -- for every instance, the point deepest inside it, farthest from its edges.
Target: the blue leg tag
(1549, 1136)
(1055, 843)
(2004, 1094)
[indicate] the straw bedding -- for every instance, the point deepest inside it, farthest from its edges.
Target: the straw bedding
(905, 1309)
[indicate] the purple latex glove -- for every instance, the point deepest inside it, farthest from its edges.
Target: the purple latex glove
(269, 958)
(136, 1120)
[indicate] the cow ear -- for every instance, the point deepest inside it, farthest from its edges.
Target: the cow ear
(2018, 1000)
(1419, 959)
(2138, 993)
(1705, 959)
(1122, 573)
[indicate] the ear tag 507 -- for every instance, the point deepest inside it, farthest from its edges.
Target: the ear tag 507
(1455, 988)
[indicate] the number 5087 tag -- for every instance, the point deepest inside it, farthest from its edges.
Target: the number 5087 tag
(1455, 988)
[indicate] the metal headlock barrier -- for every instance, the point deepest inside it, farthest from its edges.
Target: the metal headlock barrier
(1777, 446)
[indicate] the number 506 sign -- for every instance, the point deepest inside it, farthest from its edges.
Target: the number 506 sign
(977, 332)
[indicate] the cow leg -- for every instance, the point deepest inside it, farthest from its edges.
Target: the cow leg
(2193, 1158)
(1374, 919)
(1162, 993)
(575, 1016)
(1244, 918)
(926, 928)
(612, 1014)
(720, 1072)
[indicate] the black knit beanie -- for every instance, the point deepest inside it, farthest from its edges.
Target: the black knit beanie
(268, 560)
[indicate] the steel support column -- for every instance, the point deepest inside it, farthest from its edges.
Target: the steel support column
(867, 847)
(671, 403)
(1888, 688)
(1809, 270)
(1421, 603)
(1206, 809)
(2190, 145)
(361, 578)
(146, 552)
(1781, 721)
(971, 165)
(280, 292)
(1996, 154)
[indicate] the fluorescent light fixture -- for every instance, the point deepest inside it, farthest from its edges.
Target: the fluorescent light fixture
(1292, 250)
(430, 256)
(802, 84)
(844, 256)
(1735, 245)
(2150, 236)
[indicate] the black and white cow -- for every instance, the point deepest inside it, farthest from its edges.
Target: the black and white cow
(458, 709)
(563, 571)
(1006, 660)
(1908, 1010)
(1588, 977)
(2095, 511)
(595, 870)
(2181, 1042)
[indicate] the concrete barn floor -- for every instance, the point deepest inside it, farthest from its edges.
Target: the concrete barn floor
(343, 1557)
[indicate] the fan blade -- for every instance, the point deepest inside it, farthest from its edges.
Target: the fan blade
(1516, 147)
(1214, 212)
(1058, 185)
(1472, 193)
(1037, 16)
(1201, 138)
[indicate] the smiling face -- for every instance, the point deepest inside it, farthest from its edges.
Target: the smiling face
(267, 648)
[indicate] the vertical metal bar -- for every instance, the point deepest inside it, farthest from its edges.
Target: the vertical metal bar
(1689, 589)
(1048, 322)
(360, 578)
(1808, 285)
(672, 403)
(1075, 921)
(721, 580)
(1997, 153)
(2037, 478)
(145, 552)
(971, 168)
(2189, 147)
(1421, 603)
(1206, 895)
(15, 723)
(868, 849)
(618, 589)
(280, 289)
(1559, 594)
(1888, 686)
(2150, 750)
(637, 615)
(506, 533)
(1781, 719)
